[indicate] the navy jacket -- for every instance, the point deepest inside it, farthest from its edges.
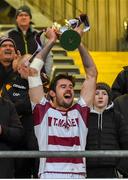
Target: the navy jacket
(11, 134)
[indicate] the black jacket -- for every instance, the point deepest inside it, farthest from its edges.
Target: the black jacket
(11, 125)
(24, 43)
(11, 134)
(120, 84)
(17, 92)
(6, 75)
(121, 105)
(27, 44)
(103, 135)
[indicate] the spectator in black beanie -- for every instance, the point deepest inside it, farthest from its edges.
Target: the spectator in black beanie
(14, 88)
(8, 52)
(104, 133)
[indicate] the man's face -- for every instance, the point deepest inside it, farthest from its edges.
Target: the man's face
(23, 19)
(64, 94)
(22, 66)
(7, 53)
(21, 61)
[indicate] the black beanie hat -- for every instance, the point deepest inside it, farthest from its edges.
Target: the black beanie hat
(24, 9)
(5, 38)
(106, 87)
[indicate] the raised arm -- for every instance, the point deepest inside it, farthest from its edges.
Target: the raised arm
(88, 88)
(35, 84)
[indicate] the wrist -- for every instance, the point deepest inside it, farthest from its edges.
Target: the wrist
(34, 81)
(37, 64)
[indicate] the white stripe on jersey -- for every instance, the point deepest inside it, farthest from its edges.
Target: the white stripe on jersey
(61, 176)
(64, 167)
(54, 128)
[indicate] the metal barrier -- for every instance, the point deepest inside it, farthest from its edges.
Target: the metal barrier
(37, 154)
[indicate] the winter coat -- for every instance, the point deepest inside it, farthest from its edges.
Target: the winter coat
(6, 75)
(24, 43)
(17, 92)
(120, 84)
(121, 105)
(27, 44)
(103, 135)
(11, 134)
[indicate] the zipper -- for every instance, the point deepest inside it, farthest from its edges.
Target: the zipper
(99, 130)
(25, 42)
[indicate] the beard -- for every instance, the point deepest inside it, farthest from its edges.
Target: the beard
(67, 105)
(64, 102)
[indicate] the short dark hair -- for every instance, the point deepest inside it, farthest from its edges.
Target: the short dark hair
(58, 77)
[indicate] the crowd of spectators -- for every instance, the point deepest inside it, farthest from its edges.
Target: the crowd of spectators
(36, 117)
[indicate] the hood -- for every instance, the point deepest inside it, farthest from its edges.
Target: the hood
(107, 108)
(100, 115)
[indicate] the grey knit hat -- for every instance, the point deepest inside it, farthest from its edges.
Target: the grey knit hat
(5, 38)
(24, 9)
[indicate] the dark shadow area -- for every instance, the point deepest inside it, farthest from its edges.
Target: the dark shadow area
(7, 13)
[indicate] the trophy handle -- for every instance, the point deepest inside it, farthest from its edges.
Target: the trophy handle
(83, 18)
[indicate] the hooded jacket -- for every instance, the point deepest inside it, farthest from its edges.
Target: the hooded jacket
(120, 84)
(103, 135)
(121, 105)
(12, 132)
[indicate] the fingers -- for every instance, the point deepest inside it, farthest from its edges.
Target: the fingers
(18, 55)
(51, 33)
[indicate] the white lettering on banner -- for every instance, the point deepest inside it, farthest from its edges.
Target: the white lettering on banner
(19, 86)
(16, 94)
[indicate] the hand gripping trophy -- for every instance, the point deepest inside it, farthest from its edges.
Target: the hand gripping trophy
(69, 39)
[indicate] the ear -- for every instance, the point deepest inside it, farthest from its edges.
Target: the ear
(52, 93)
